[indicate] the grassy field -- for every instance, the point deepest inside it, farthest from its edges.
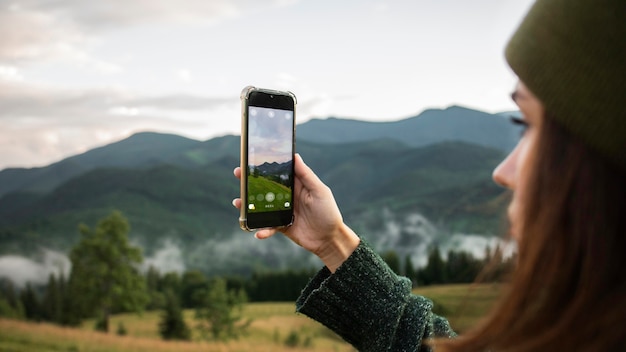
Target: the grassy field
(273, 323)
(261, 185)
(462, 305)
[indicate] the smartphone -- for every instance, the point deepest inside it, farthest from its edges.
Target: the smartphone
(267, 152)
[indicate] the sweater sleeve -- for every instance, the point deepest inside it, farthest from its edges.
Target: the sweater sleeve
(371, 307)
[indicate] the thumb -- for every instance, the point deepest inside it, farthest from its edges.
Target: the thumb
(307, 177)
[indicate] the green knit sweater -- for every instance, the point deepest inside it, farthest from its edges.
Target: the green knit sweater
(371, 307)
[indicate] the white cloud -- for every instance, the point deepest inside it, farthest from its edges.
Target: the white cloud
(40, 124)
(70, 66)
(166, 259)
(477, 244)
(58, 106)
(21, 270)
(38, 30)
(107, 14)
(124, 110)
(28, 35)
(113, 13)
(184, 75)
(414, 235)
(188, 102)
(10, 73)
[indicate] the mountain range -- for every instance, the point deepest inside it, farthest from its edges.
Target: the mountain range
(431, 126)
(177, 191)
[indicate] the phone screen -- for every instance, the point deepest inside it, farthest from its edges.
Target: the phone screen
(268, 125)
(270, 164)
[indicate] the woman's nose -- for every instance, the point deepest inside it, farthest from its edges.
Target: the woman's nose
(504, 174)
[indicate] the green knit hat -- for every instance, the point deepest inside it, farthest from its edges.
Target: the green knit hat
(571, 55)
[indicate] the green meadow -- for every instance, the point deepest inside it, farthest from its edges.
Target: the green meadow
(261, 185)
(275, 327)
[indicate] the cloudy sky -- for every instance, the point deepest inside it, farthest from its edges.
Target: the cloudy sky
(78, 74)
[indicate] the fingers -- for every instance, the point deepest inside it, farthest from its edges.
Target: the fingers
(261, 234)
(265, 233)
(237, 201)
(308, 178)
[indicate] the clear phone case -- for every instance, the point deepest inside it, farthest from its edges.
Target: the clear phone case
(244, 96)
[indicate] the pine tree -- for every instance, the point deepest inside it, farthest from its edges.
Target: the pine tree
(435, 270)
(409, 269)
(10, 304)
(172, 325)
(462, 267)
(53, 300)
(157, 299)
(31, 303)
(192, 281)
(173, 282)
(219, 315)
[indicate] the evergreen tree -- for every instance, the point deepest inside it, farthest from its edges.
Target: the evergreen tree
(171, 281)
(219, 315)
(172, 325)
(7, 310)
(31, 303)
(498, 266)
(8, 291)
(157, 298)
(121, 329)
(104, 276)
(10, 305)
(192, 281)
(462, 267)
(53, 300)
(274, 286)
(435, 270)
(487, 259)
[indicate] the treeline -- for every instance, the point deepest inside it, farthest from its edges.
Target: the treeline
(457, 268)
(105, 280)
(53, 301)
(278, 286)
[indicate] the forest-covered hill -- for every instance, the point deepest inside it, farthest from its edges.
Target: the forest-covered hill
(176, 191)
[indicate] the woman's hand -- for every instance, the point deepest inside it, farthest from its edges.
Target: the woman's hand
(318, 225)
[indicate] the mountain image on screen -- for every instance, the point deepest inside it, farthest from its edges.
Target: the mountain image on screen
(269, 186)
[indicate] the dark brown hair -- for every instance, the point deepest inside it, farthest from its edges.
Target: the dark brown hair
(568, 291)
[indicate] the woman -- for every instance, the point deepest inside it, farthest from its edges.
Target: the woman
(568, 291)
